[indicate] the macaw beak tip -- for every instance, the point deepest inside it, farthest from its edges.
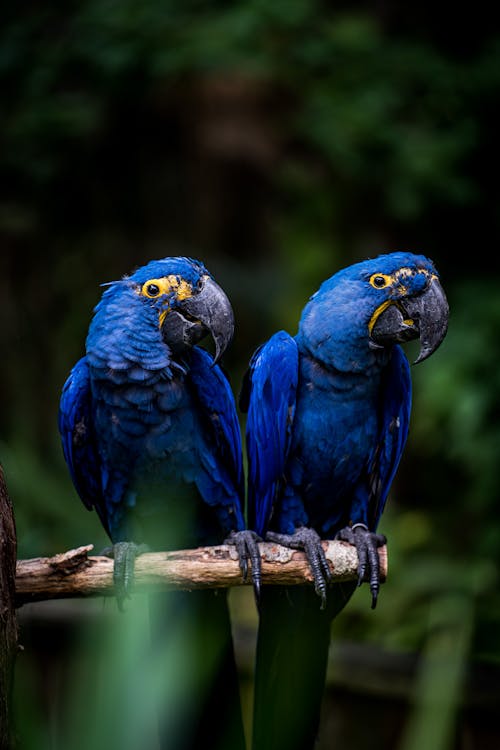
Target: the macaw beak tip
(433, 311)
(425, 352)
(222, 340)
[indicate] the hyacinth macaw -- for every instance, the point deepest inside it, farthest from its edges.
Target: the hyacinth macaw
(328, 414)
(151, 436)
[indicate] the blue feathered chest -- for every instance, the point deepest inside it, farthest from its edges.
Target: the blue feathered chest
(147, 428)
(336, 426)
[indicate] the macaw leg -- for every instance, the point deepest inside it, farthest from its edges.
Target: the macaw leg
(367, 544)
(308, 540)
(124, 554)
(247, 547)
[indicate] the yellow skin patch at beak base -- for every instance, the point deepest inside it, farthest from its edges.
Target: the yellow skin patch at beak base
(162, 317)
(182, 289)
(380, 309)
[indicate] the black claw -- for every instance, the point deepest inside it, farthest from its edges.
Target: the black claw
(367, 544)
(374, 564)
(309, 541)
(247, 547)
(362, 562)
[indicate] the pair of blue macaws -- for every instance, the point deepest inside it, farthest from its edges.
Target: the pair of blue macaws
(151, 435)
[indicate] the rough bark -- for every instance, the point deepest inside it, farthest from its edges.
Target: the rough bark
(77, 573)
(8, 621)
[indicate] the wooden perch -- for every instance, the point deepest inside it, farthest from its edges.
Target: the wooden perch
(8, 622)
(76, 573)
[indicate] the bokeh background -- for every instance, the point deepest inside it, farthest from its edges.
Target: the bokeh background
(277, 142)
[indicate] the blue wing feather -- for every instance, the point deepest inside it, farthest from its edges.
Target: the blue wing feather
(272, 380)
(77, 437)
(215, 397)
(395, 419)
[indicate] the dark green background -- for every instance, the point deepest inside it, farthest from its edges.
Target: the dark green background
(277, 142)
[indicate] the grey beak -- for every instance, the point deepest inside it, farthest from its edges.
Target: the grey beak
(207, 311)
(430, 311)
(424, 316)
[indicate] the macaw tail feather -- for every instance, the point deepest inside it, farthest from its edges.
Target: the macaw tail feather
(291, 661)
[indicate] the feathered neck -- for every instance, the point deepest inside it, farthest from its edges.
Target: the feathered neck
(333, 329)
(124, 334)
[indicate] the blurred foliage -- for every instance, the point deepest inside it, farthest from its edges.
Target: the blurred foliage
(277, 141)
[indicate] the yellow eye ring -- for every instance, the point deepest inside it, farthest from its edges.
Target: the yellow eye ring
(380, 280)
(152, 288)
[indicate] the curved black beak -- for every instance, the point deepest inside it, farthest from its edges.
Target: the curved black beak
(424, 316)
(207, 311)
(430, 313)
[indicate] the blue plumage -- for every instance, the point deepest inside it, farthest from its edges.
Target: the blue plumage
(151, 436)
(135, 414)
(328, 417)
(328, 409)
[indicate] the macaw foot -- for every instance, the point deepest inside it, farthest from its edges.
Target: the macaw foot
(124, 554)
(367, 544)
(310, 542)
(247, 547)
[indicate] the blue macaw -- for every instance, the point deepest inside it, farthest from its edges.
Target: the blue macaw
(328, 415)
(151, 437)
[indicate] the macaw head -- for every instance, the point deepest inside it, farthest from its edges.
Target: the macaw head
(188, 302)
(173, 301)
(375, 304)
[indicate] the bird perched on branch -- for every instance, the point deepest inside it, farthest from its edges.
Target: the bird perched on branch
(151, 437)
(328, 414)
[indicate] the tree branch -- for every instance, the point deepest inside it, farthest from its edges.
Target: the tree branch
(76, 573)
(8, 623)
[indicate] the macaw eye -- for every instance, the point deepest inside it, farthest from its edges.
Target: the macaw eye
(380, 280)
(151, 290)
